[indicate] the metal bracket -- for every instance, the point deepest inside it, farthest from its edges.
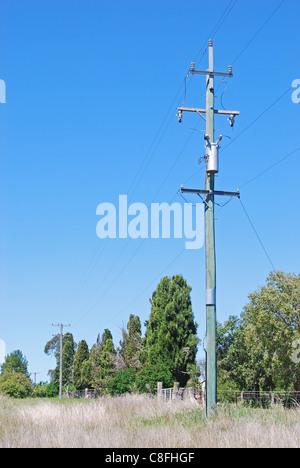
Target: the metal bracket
(211, 192)
(203, 111)
(192, 71)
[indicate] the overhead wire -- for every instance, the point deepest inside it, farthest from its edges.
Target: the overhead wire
(252, 123)
(257, 235)
(232, 140)
(218, 25)
(257, 33)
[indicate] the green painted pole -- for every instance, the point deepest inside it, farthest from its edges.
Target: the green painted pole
(211, 359)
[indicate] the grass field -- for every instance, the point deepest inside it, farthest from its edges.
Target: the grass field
(139, 421)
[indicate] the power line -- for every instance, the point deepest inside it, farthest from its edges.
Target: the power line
(248, 126)
(89, 268)
(148, 286)
(256, 233)
(271, 167)
(257, 33)
(257, 118)
(173, 165)
(217, 26)
(215, 29)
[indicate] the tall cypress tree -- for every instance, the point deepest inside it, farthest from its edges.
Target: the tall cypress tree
(80, 378)
(170, 338)
(102, 359)
(131, 345)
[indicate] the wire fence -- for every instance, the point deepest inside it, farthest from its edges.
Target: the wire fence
(86, 393)
(251, 399)
(267, 399)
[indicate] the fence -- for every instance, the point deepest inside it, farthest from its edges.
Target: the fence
(86, 393)
(175, 393)
(266, 399)
(254, 399)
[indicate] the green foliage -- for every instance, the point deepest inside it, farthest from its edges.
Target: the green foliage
(102, 361)
(123, 381)
(255, 351)
(52, 347)
(40, 390)
(15, 384)
(15, 362)
(68, 358)
(171, 331)
(131, 345)
(81, 367)
(147, 378)
(52, 390)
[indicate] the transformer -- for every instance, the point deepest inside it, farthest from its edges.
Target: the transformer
(212, 155)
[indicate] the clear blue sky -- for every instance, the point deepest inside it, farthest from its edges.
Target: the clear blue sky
(92, 92)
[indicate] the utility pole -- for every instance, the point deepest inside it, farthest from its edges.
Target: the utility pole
(211, 357)
(60, 355)
(35, 374)
(212, 167)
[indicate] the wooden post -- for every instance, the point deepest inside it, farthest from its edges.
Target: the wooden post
(159, 389)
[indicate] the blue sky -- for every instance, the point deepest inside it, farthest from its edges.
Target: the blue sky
(92, 91)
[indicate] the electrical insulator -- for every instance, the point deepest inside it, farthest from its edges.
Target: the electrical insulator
(231, 120)
(192, 66)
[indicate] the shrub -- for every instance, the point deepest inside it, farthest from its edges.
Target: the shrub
(52, 390)
(122, 382)
(147, 378)
(15, 384)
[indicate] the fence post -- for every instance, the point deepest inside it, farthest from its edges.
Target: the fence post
(159, 389)
(176, 389)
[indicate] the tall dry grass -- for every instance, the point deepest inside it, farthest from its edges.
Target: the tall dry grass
(139, 421)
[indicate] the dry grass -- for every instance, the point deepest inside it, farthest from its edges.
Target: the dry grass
(138, 421)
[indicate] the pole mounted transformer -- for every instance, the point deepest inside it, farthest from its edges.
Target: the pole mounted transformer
(212, 155)
(212, 148)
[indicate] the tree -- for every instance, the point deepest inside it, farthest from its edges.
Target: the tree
(232, 356)
(52, 347)
(146, 380)
(123, 381)
(15, 362)
(170, 338)
(131, 344)
(15, 384)
(271, 321)
(255, 351)
(102, 360)
(81, 377)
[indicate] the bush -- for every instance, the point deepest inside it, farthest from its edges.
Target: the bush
(122, 382)
(147, 378)
(15, 385)
(52, 390)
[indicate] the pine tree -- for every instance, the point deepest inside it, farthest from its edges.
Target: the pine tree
(102, 360)
(170, 338)
(15, 362)
(81, 377)
(68, 358)
(131, 344)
